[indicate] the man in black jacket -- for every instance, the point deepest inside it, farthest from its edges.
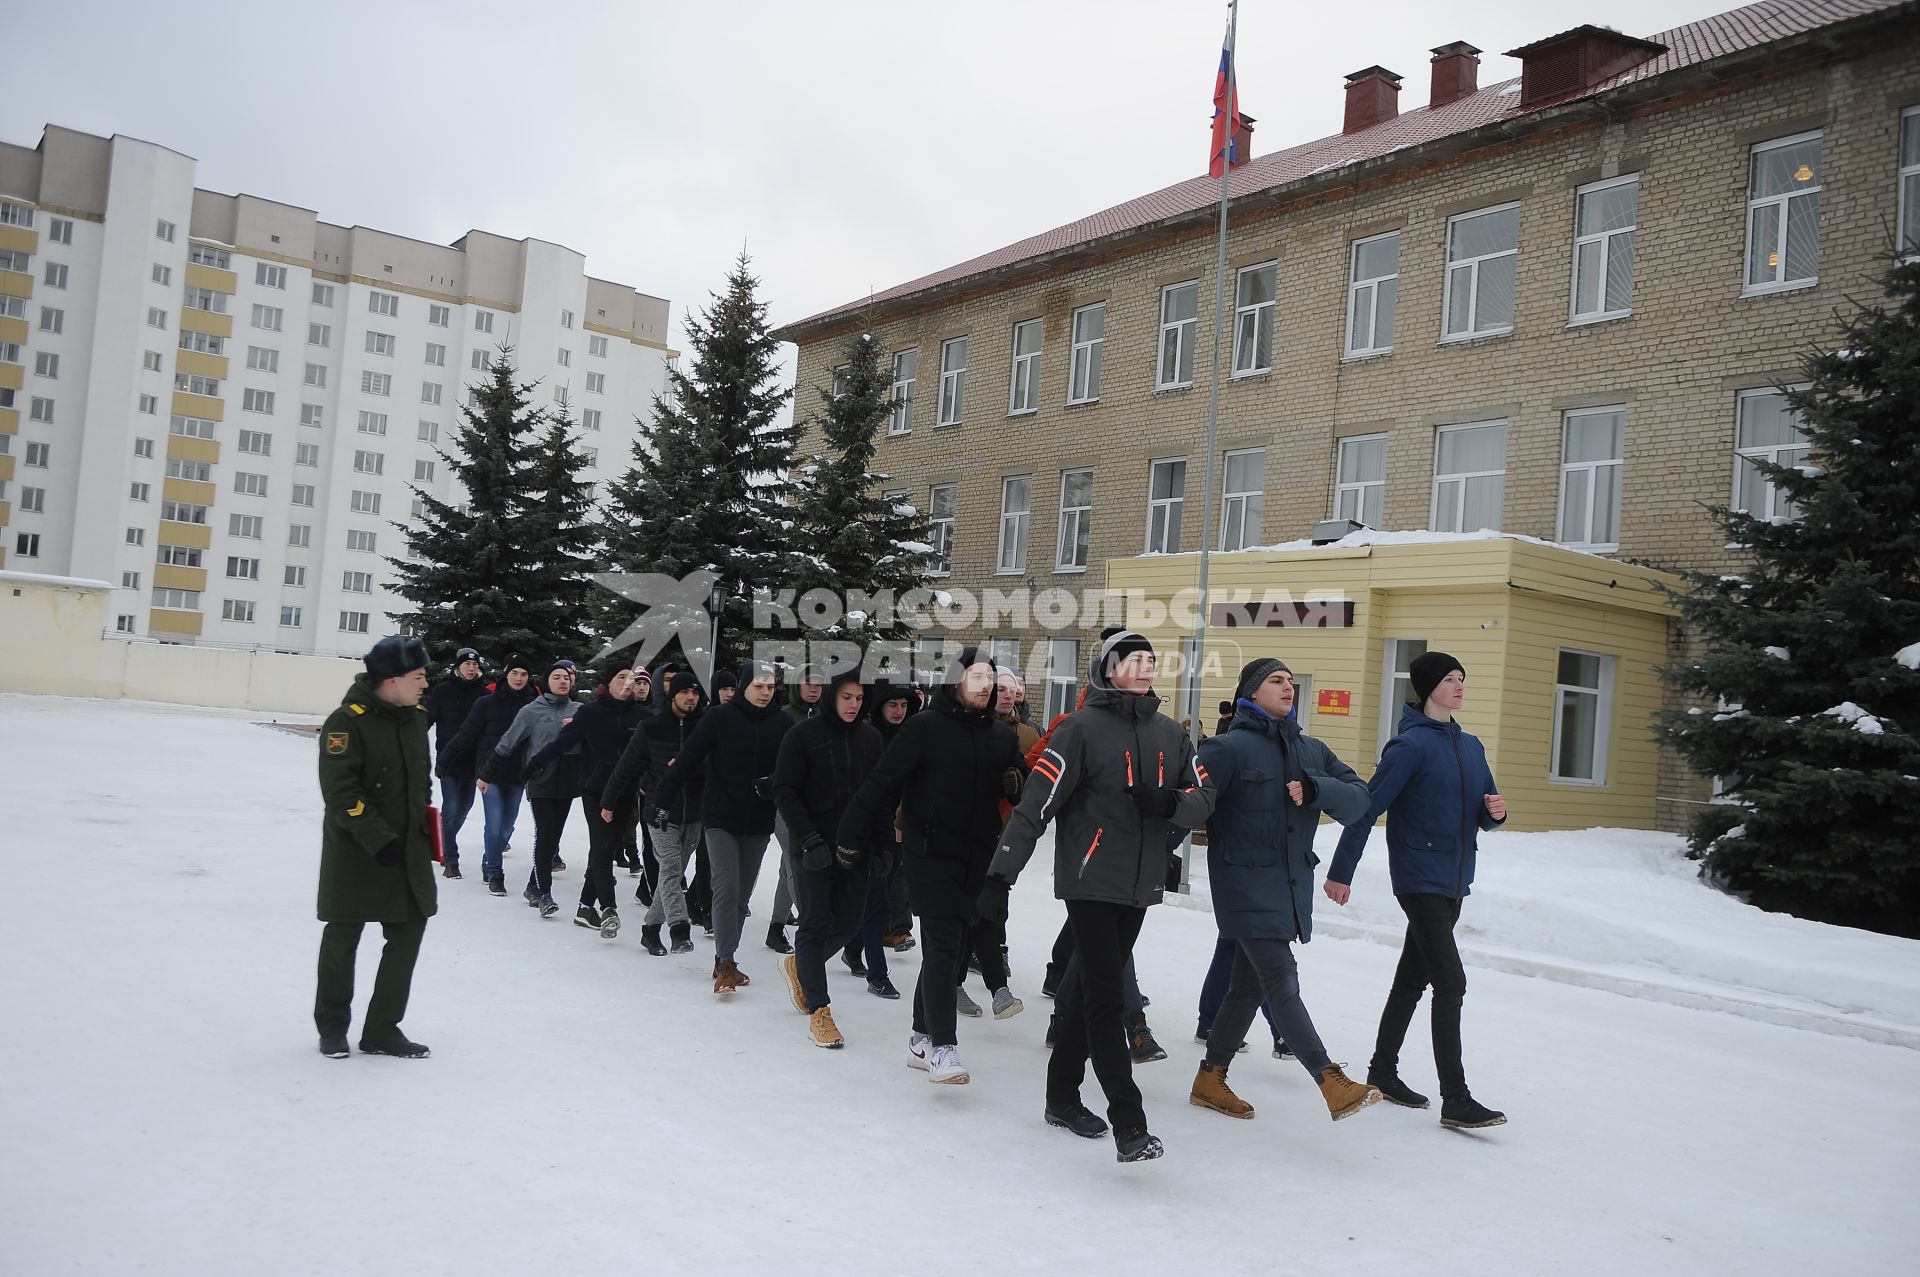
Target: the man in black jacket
(485, 724)
(655, 748)
(822, 762)
(949, 768)
(448, 705)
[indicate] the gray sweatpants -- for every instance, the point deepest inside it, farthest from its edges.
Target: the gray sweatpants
(672, 847)
(734, 862)
(783, 890)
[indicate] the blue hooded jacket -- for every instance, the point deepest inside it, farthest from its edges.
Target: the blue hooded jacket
(1432, 783)
(1260, 855)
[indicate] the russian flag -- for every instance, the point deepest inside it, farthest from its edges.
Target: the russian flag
(1226, 115)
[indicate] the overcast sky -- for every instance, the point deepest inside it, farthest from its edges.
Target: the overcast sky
(848, 144)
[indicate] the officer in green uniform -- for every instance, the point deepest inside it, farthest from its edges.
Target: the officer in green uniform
(376, 854)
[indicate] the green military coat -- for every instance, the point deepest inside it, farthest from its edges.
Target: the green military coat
(375, 779)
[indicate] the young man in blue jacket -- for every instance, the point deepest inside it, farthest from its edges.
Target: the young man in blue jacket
(1271, 782)
(1438, 793)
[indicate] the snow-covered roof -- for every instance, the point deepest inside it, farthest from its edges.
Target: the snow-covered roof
(69, 582)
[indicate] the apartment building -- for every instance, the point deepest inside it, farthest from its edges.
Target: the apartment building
(1559, 306)
(220, 405)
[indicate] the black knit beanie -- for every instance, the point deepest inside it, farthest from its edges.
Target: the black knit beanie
(1254, 673)
(1426, 672)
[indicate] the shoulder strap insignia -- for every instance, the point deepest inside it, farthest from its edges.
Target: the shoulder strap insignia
(358, 709)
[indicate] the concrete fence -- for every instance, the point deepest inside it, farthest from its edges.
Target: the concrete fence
(54, 641)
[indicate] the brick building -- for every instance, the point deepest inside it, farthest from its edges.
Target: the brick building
(1557, 306)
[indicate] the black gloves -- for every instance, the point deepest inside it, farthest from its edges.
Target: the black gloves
(848, 857)
(390, 855)
(656, 817)
(880, 863)
(1154, 804)
(993, 900)
(1011, 782)
(815, 853)
(1308, 790)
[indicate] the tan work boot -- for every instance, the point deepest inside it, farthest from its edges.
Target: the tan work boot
(726, 977)
(1344, 1096)
(823, 1031)
(790, 968)
(1210, 1091)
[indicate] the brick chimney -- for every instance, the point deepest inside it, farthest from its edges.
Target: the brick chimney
(1373, 96)
(1243, 141)
(1456, 73)
(1577, 60)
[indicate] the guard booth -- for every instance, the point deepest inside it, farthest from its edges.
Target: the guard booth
(1560, 647)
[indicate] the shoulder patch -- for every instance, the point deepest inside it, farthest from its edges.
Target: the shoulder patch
(357, 709)
(358, 808)
(336, 742)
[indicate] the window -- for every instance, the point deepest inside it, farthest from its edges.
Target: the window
(16, 260)
(906, 371)
(1166, 502)
(1783, 214)
(302, 494)
(249, 485)
(1076, 520)
(9, 352)
(357, 540)
(1910, 179)
(437, 316)
(589, 420)
(15, 214)
(126, 623)
(183, 512)
(1089, 347)
(195, 384)
(940, 503)
(163, 230)
(373, 423)
(436, 355)
(353, 622)
(176, 600)
(563, 357)
(207, 255)
(1253, 320)
(430, 392)
(46, 364)
(1242, 498)
(1022, 393)
(56, 275)
(323, 294)
(1179, 305)
(236, 610)
(566, 319)
(953, 380)
(380, 303)
(429, 431)
(300, 534)
(483, 321)
(1373, 295)
(592, 456)
(419, 511)
(306, 454)
(196, 471)
(59, 230)
(162, 275)
(137, 491)
(242, 569)
(1360, 480)
(138, 536)
(150, 404)
(1767, 430)
(1397, 683)
(1063, 676)
(369, 463)
(477, 361)
(267, 317)
(267, 275)
(1590, 478)
(289, 617)
(1469, 477)
(1582, 694)
(315, 375)
(41, 409)
(1603, 229)
(376, 383)
(205, 299)
(205, 343)
(596, 383)
(246, 526)
(423, 469)
(156, 318)
(379, 343)
(152, 361)
(178, 556)
(319, 335)
(257, 401)
(37, 455)
(129, 580)
(257, 442)
(597, 347)
(52, 319)
(191, 427)
(357, 582)
(1016, 503)
(364, 502)
(143, 447)
(294, 574)
(26, 545)
(1483, 251)
(260, 359)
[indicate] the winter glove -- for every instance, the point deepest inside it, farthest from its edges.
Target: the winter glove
(993, 900)
(657, 817)
(1154, 804)
(848, 857)
(1011, 782)
(880, 863)
(763, 787)
(390, 855)
(815, 853)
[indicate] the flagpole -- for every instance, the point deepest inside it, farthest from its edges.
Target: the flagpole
(1213, 419)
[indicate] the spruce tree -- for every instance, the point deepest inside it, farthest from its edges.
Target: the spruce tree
(708, 488)
(465, 578)
(1811, 699)
(558, 537)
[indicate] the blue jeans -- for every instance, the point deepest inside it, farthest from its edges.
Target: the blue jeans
(456, 800)
(1213, 990)
(502, 805)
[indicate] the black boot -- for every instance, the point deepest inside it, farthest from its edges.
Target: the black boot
(650, 941)
(1394, 1091)
(777, 940)
(394, 1044)
(681, 934)
(450, 870)
(1135, 1145)
(497, 884)
(334, 1046)
(1140, 1042)
(1078, 1118)
(852, 958)
(1469, 1114)
(883, 988)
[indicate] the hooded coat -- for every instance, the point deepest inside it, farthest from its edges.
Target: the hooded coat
(822, 763)
(738, 743)
(653, 749)
(485, 724)
(599, 731)
(449, 702)
(535, 727)
(376, 785)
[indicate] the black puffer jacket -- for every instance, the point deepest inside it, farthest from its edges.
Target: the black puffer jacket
(655, 747)
(449, 703)
(741, 741)
(600, 731)
(485, 724)
(944, 768)
(822, 762)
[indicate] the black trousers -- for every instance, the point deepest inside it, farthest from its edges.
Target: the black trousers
(549, 819)
(1095, 1028)
(899, 915)
(1428, 956)
(940, 968)
(983, 940)
(333, 997)
(603, 841)
(830, 901)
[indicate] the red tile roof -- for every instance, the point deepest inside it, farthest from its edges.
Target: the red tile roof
(1719, 36)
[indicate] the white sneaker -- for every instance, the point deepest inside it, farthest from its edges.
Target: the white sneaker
(919, 1047)
(946, 1067)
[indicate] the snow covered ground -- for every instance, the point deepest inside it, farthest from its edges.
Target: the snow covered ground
(164, 1109)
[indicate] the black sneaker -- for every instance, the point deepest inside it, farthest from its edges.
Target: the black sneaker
(777, 940)
(546, 906)
(497, 884)
(395, 1045)
(650, 941)
(450, 870)
(558, 864)
(852, 958)
(609, 924)
(334, 1045)
(883, 988)
(1469, 1114)
(531, 896)
(680, 935)
(1200, 1032)
(1140, 1042)
(1394, 1091)
(1078, 1118)
(587, 916)
(1281, 1051)
(1135, 1145)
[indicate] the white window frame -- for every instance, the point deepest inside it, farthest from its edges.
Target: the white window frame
(596, 346)
(940, 528)
(1369, 288)
(1248, 319)
(1166, 516)
(1607, 241)
(1777, 505)
(363, 541)
(1473, 264)
(268, 275)
(379, 343)
(1602, 719)
(439, 316)
(262, 314)
(1010, 559)
(953, 383)
(1394, 686)
(1586, 473)
(1358, 489)
(320, 294)
(1063, 676)
(1176, 338)
(1460, 477)
(290, 615)
(379, 303)
(1909, 176)
(900, 417)
(1089, 353)
(1074, 520)
(1779, 284)
(1023, 384)
(1240, 501)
